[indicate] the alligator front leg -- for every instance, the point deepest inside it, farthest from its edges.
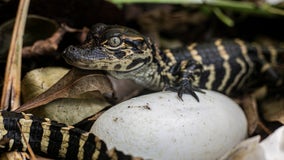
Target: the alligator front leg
(188, 72)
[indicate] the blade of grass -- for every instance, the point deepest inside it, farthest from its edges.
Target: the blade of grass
(12, 81)
(238, 6)
(225, 19)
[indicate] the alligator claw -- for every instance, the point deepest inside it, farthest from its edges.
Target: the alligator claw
(188, 88)
(181, 91)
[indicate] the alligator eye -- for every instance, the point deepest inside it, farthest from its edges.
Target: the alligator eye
(114, 41)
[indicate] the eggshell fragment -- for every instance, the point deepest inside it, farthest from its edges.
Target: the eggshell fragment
(271, 148)
(273, 145)
(161, 126)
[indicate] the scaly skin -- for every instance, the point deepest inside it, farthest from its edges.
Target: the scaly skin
(52, 139)
(224, 66)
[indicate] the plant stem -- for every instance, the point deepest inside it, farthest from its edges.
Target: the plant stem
(12, 81)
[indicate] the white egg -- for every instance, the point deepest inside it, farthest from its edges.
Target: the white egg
(161, 126)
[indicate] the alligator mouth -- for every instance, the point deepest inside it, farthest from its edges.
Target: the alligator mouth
(75, 54)
(90, 59)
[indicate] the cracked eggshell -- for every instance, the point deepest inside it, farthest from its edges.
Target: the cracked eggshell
(273, 145)
(161, 126)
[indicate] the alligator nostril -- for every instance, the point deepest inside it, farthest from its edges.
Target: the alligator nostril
(72, 49)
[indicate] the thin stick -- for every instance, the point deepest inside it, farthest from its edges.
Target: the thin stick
(12, 82)
(32, 154)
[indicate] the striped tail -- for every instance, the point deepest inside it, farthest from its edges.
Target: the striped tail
(52, 139)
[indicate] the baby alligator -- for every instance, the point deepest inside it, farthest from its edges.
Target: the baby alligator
(50, 138)
(224, 66)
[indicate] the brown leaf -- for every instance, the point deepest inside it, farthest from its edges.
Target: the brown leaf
(75, 82)
(65, 110)
(250, 108)
(273, 110)
(249, 105)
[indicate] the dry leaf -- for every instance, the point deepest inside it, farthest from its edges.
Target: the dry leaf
(69, 110)
(38, 81)
(74, 83)
(66, 110)
(248, 104)
(250, 108)
(273, 110)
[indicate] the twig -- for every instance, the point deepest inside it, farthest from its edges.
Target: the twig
(12, 82)
(33, 157)
(49, 45)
